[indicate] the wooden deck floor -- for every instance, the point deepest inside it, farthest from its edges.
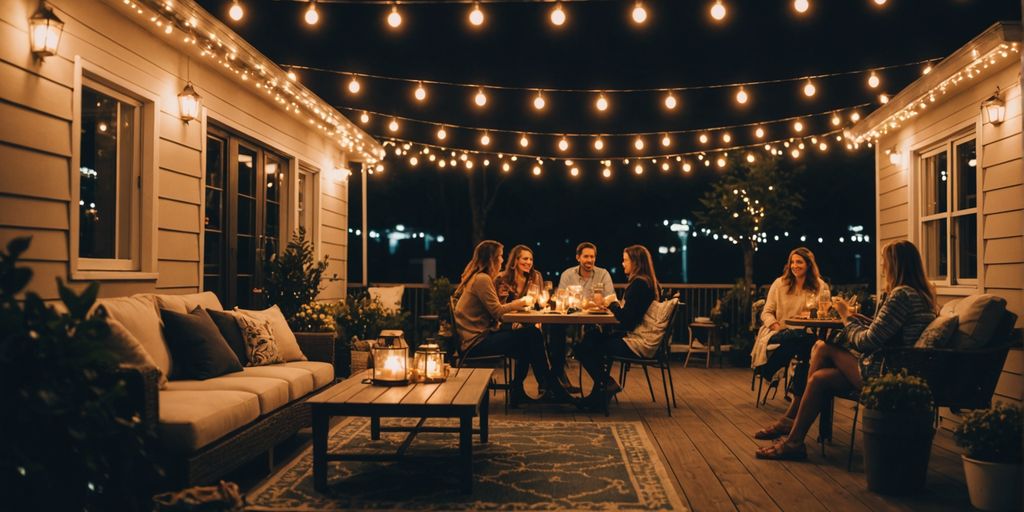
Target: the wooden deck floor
(708, 446)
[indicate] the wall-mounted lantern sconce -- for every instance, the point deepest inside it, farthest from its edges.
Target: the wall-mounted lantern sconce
(994, 109)
(894, 156)
(45, 30)
(189, 102)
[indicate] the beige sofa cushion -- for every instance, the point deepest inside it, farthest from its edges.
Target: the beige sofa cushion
(140, 316)
(272, 393)
(300, 381)
(283, 334)
(190, 420)
(185, 303)
(979, 317)
(323, 373)
(129, 352)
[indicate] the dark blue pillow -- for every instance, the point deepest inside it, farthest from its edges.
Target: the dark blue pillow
(198, 350)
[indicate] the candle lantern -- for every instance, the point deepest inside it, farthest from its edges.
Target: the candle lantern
(390, 359)
(45, 29)
(429, 363)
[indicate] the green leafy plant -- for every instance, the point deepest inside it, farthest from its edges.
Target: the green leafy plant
(292, 278)
(896, 392)
(363, 317)
(441, 290)
(992, 435)
(70, 442)
(316, 317)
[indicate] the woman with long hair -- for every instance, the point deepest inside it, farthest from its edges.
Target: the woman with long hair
(907, 308)
(478, 315)
(519, 274)
(788, 297)
(642, 289)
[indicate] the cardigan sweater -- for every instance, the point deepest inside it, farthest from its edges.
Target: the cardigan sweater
(779, 306)
(478, 311)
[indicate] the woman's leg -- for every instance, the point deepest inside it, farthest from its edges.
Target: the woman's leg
(531, 344)
(822, 385)
(590, 352)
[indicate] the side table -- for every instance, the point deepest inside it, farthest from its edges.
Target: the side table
(712, 343)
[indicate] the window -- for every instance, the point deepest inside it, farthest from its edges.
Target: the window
(306, 202)
(243, 222)
(949, 212)
(114, 139)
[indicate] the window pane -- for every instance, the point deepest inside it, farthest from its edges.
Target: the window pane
(246, 171)
(275, 172)
(215, 162)
(966, 244)
(301, 207)
(212, 253)
(935, 252)
(935, 177)
(246, 216)
(273, 227)
(246, 262)
(107, 160)
(214, 210)
(967, 175)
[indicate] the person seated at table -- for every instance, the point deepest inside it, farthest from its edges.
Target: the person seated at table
(642, 289)
(478, 314)
(587, 275)
(787, 298)
(519, 275)
(908, 306)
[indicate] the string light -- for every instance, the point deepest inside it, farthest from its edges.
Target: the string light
(480, 99)
(574, 172)
(703, 138)
(873, 80)
(809, 89)
(798, 126)
(485, 139)
(476, 16)
(801, 6)
(666, 141)
(670, 101)
(741, 96)
(639, 169)
(855, 117)
(523, 141)
(638, 144)
(718, 10)
(563, 145)
(393, 125)
(312, 17)
(558, 15)
(291, 75)
(836, 120)
(606, 172)
(601, 103)
(720, 162)
(236, 12)
(639, 13)
(421, 93)
(927, 69)
(598, 144)
(441, 134)
(353, 86)
(879, 2)
(395, 18)
(750, 158)
(364, 118)
(538, 101)
(687, 167)
(883, 98)
(759, 132)
(536, 170)
(726, 138)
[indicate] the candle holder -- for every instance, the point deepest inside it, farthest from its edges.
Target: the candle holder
(390, 360)
(429, 363)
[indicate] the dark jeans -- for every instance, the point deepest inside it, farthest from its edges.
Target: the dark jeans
(792, 343)
(525, 345)
(595, 350)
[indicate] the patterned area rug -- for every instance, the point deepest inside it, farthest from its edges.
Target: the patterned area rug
(525, 466)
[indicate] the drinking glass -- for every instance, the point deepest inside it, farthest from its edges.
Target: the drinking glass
(824, 304)
(598, 292)
(811, 303)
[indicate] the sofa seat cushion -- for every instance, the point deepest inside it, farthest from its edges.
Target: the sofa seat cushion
(300, 380)
(139, 315)
(190, 420)
(272, 393)
(185, 303)
(323, 373)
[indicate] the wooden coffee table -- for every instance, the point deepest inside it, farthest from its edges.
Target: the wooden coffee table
(463, 396)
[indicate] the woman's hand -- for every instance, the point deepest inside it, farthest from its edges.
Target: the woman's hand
(842, 307)
(776, 326)
(518, 304)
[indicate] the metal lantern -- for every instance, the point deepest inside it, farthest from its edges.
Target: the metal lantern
(390, 360)
(429, 363)
(994, 108)
(45, 29)
(189, 102)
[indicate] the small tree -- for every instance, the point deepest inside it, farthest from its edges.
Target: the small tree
(749, 199)
(293, 277)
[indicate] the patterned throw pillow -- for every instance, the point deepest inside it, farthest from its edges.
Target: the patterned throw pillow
(939, 333)
(260, 346)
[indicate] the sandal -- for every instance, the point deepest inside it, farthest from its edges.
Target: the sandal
(774, 431)
(782, 451)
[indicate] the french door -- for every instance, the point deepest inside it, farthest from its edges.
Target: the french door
(245, 185)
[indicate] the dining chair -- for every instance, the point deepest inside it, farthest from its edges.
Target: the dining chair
(468, 360)
(660, 360)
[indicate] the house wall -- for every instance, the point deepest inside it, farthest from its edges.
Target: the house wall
(1001, 198)
(37, 139)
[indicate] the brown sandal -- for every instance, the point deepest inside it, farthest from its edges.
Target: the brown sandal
(774, 431)
(782, 451)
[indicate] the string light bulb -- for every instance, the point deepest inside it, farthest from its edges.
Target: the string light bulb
(393, 125)
(726, 138)
(558, 15)
(601, 103)
(809, 89)
(720, 162)
(563, 144)
(421, 93)
(639, 169)
(798, 126)
(638, 144)
(873, 80)
(364, 118)
(927, 69)
(480, 99)
(801, 6)
(880, 2)
(836, 120)
(703, 138)
(855, 117)
(598, 144)
(505, 167)
(441, 133)
(538, 101)
(606, 172)
(639, 13)
(523, 141)
(476, 16)
(292, 76)
(750, 158)
(718, 10)
(687, 167)
(666, 141)
(574, 172)
(236, 12)
(883, 98)
(395, 17)
(353, 86)
(742, 96)
(759, 132)
(670, 101)
(485, 139)
(536, 170)
(312, 17)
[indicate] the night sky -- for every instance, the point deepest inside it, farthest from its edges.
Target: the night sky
(600, 47)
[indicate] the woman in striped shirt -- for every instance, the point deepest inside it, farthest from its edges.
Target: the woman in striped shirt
(908, 307)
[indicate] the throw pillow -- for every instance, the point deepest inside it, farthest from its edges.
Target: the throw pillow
(939, 333)
(260, 345)
(129, 352)
(188, 302)
(141, 317)
(646, 337)
(283, 335)
(979, 317)
(227, 323)
(199, 350)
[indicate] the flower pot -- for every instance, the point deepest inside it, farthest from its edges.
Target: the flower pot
(993, 486)
(897, 446)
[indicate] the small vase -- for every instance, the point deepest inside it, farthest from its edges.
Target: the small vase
(993, 486)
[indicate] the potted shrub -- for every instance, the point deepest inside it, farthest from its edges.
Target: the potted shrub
(440, 293)
(360, 318)
(992, 464)
(897, 431)
(315, 323)
(292, 278)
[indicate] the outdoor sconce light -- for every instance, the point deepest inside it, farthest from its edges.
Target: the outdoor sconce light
(390, 360)
(189, 102)
(428, 363)
(894, 156)
(994, 109)
(45, 29)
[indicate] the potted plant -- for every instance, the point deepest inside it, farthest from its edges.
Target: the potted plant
(360, 318)
(440, 293)
(315, 324)
(292, 278)
(992, 464)
(897, 431)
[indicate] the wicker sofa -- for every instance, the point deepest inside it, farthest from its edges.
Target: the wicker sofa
(204, 429)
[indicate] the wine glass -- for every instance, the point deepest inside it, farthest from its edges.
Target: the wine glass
(533, 291)
(597, 291)
(824, 304)
(810, 303)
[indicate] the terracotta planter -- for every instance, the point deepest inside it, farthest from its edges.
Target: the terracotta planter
(993, 486)
(897, 447)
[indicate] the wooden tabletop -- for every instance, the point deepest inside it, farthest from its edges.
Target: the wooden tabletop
(355, 396)
(540, 317)
(831, 323)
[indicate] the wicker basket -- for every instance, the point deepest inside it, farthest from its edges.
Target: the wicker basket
(360, 361)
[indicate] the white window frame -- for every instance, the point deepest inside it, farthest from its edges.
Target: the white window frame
(312, 176)
(948, 145)
(142, 264)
